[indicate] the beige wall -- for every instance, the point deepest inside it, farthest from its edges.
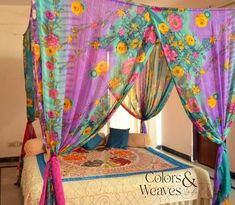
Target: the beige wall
(176, 127)
(13, 22)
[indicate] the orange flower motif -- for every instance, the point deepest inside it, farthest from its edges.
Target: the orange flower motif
(51, 51)
(67, 104)
(29, 102)
(87, 131)
(77, 8)
(102, 68)
(114, 83)
(213, 40)
(96, 44)
(36, 50)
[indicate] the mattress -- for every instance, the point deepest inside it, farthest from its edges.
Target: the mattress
(116, 176)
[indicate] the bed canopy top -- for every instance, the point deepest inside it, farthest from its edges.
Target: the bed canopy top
(82, 57)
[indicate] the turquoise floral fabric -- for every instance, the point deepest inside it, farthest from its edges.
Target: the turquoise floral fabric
(199, 47)
(87, 55)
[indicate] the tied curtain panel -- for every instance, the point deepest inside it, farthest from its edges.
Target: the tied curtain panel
(200, 49)
(151, 90)
(87, 55)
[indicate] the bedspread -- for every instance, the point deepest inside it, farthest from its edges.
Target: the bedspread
(115, 176)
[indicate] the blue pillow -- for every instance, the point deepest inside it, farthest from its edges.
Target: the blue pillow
(93, 142)
(118, 138)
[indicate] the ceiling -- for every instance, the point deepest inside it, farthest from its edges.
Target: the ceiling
(160, 3)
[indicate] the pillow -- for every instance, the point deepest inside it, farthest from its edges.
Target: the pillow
(93, 142)
(34, 146)
(139, 140)
(118, 138)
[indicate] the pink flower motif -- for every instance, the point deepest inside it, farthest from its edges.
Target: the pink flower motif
(122, 32)
(170, 54)
(52, 40)
(232, 108)
(51, 114)
(195, 55)
(176, 22)
(54, 135)
(50, 66)
(189, 76)
(156, 9)
(93, 118)
(193, 105)
(94, 25)
(128, 66)
(49, 15)
(150, 35)
(53, 93)
(199, 127)
(134, 78)
(140, 10)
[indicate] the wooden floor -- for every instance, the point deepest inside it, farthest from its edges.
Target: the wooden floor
(11, 194)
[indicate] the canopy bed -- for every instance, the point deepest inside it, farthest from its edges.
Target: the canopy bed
(83, 57)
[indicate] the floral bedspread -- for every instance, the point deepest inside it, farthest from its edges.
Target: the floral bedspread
(84, 164)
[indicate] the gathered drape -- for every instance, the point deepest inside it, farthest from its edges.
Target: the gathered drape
(200, 48)
(91, 54)
(87, 55)
(151, 90)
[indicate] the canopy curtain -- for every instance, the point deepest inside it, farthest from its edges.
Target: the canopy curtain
(151, 90)
(87, 56)
(200, 49)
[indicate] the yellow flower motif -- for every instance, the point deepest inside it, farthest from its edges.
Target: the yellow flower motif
(29, 102)
(178, 71)
(36, 50)
(102, 67)
(196, 90)
(70, 39)
(211, 138)
(212, 102)
(213, 40)
(147, 17)
(87, 131)
(114, 83)
(121, 48)
(77, 8)
(161, 54)
(96, 44)
(202, 71)
(57, 113)
(175, 43)
(120, 12)
(181, 9)
(190, 40)
(97, 102)
(232, 37)
(201, 122)
(227, 64)
(67, 104)
(134, 43)
(51, 51)
(187, 107)
(163, 28)
(201, 20)
(181, 44)
(141, 57)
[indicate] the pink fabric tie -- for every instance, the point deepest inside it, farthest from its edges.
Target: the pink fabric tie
(53, 166)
